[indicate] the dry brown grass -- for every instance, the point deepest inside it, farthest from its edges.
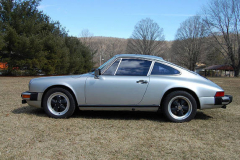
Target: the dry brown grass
(27, 133)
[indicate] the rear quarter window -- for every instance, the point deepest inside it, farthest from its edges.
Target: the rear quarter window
(161, 69)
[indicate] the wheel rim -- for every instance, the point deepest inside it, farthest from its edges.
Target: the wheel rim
(58, 103)
(180, 107)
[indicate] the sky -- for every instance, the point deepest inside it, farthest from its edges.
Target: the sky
(117, 18)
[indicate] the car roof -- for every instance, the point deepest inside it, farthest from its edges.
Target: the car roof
(138, 56)
(150, 57)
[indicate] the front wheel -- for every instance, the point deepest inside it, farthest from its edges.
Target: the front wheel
(58, 103)
(179, 106)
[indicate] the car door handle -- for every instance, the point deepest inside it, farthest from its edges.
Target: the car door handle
(142, 81)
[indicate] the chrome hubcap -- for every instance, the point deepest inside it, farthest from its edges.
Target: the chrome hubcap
(180, 107)
(58, 103)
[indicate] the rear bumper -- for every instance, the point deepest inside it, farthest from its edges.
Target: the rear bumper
(223, 100)
(32, 98)
(215, 102)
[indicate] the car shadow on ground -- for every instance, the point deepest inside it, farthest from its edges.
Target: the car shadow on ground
(30, 111)
(114, 115)
(120, 115)
(128, 115)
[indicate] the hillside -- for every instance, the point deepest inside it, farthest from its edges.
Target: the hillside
(107, 47)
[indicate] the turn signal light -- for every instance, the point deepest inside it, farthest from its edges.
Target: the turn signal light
(219, 94)
(25, 96)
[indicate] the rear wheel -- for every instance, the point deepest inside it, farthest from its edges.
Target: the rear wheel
(58, 103)
(179, 106)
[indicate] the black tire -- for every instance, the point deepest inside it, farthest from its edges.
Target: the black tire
(179, 106)
(59, 103)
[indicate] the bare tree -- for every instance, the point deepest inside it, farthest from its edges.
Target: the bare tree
(146, 38)
(222, 18)
(106, 47)
(116, 46)
(86, 38)
(188, 46)
(102, 49)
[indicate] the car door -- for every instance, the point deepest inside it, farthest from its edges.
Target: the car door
(123, 83)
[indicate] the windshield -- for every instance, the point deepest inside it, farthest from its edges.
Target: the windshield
(106, 63)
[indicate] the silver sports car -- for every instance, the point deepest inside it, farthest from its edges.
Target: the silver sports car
(128, 82)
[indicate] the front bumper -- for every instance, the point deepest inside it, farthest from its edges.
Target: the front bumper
(32, 98)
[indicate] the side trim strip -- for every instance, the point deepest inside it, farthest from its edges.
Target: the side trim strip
(118, 106)
(151, 109)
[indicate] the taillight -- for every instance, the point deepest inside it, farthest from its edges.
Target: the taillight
(219, 94)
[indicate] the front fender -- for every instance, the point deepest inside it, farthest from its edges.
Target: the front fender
(76, 85)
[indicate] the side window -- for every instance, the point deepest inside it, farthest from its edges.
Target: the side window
(161, 69)
(133, 67)
(111, 70)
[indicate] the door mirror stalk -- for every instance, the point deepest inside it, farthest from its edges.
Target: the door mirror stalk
(97, 73)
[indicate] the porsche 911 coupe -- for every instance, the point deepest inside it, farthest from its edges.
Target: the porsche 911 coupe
(128, 82)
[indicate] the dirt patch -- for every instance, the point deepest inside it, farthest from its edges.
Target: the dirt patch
(27, 133)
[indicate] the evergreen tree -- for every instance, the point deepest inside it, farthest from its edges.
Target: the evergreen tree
(31, 41)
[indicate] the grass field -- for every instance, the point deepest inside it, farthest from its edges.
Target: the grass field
(27, 133)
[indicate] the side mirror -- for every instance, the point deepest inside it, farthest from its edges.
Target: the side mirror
(97, 73)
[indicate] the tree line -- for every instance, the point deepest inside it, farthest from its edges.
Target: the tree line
(213, 34)
(32, 43)
(211, 37)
